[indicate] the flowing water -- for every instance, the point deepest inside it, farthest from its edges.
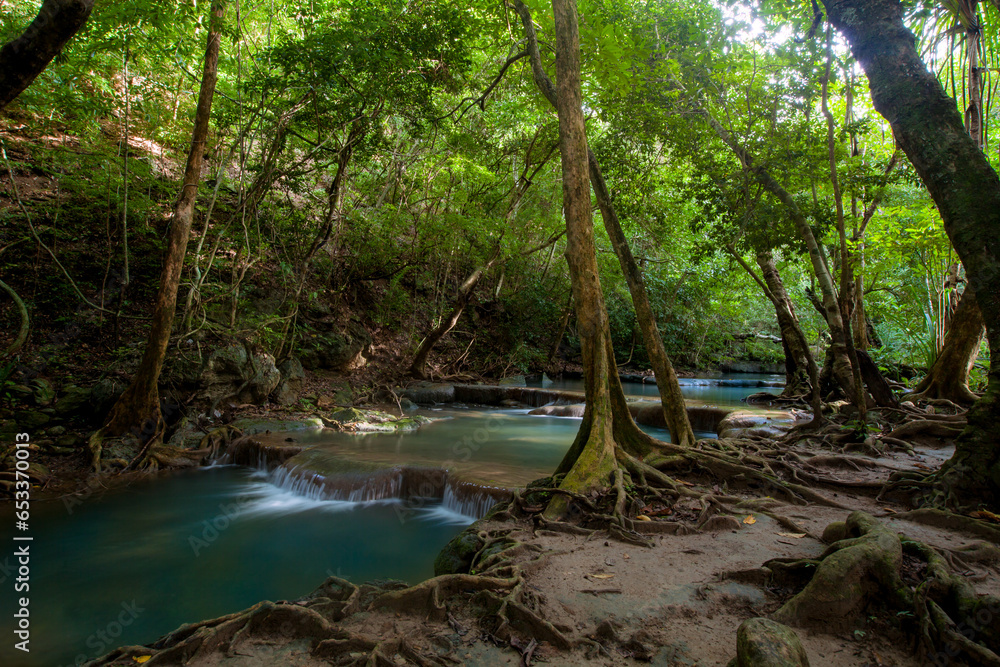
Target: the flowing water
(135, 563)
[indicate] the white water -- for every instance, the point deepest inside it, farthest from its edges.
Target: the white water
(283, 491)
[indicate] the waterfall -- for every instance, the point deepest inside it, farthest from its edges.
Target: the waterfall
(398, 482)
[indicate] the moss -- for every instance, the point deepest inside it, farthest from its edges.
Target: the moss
(457, 555)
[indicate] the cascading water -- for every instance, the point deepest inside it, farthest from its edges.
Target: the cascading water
(402, 483)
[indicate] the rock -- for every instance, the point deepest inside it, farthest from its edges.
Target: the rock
(426, 393)
(70, 441)
(230, 373)
(751, 367)
(56, 430)
(290, 385)
(253, 426)
(186, 435)
(73, 401)
(339, 351)
(43, 392)
(105, 393)
(513, 381)
(407, 405)
(32, 419)
(21, 392)
(457, 555)
(739, 422)
(761, 642)
(373, 421)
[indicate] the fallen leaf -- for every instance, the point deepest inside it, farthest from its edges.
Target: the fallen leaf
(749, 520)
(889, 510)
(626, 556)
(681, 481)
(988, 516)
(643, 517)
(797, 536)
(601, 576)
(141, 658)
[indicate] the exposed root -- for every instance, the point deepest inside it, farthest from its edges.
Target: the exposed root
(863, 570)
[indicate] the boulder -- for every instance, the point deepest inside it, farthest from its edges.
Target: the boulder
(43, 392)
(764, 643)
(457, 555)
(343, 350)
(74, 401)
(427, 393)
(31, 419)
(292, 378)
(232, 373)
(105, 393)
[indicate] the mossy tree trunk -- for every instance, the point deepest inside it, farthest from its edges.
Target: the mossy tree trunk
(965, 188)
(674, 410)
(948, 378)
(607, 430)
(463, 296)
(138, 408)
(671, 399)
(801, 372)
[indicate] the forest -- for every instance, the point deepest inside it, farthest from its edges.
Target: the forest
(373, 332)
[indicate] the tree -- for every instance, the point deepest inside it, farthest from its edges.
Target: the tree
(24, 58)
(138, 408)
(671, 399)
(948, 377)
(607, 432)
(966, 190)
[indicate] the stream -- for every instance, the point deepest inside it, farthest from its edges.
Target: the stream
(132, 564)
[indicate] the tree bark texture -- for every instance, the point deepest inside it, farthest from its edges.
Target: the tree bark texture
(24, 58)
(931, 132)
(675, 412)
(948, 378)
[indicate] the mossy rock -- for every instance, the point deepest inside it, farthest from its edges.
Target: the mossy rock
(43, 392)
(32, 419)
(374, 421)
(457, 555)
(252, 426)
(761, 642)
(341, 351)
(73, 401)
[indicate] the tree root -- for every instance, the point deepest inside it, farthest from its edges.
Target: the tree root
(864, 569)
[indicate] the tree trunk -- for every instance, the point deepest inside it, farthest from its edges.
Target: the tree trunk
(801, 373)
(846, 297)
(563, 323)
(966, 190)
(671, 399)
(607, 424)
(24, 58)
(139, 406)
(841, 363)
(948, 378)
(418, 368)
